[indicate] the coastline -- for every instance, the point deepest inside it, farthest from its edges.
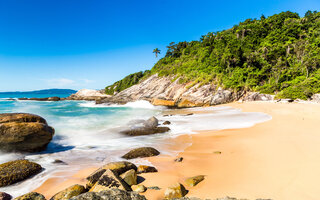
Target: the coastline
(272, 159)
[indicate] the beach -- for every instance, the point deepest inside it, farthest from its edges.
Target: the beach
(272, 160)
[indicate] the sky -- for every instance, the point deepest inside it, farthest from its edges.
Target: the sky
(92, 43)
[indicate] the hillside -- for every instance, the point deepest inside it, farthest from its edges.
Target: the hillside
(275, 55)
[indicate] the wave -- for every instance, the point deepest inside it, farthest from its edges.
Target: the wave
(136, 104)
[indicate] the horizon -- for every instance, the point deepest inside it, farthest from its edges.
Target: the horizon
(77, 44)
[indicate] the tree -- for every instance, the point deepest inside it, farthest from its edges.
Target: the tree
(156, 51)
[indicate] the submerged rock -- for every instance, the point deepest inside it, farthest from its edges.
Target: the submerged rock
(69, 192)
(5, 196)
(112, 194)
(193, 181)
(19, 170)
(141, 153)
(24, 132)
(117, 167)
(31, 196)
(146, 169)
(108, 180)
(177, 190)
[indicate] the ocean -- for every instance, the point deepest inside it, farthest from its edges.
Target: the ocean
(87, 134)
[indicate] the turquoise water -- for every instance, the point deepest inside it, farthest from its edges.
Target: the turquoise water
(88, 134)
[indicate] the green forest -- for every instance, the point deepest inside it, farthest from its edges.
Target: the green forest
(277, 55)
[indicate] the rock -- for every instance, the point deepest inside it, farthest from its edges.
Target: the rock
(54, 99)
(146, 169)
(221, 97)
(177, 190)
(257, 96)
(117, 167)
(217, 152)
(138, 188)
(69, 192)
(130, 177)
(22, 98)
(57, 161)
(315, 98)
(19, 170)
(145, 131)
(166, 122)
(179, 159)
(193, 181)
(163, 102)
(112, 194)
(31, 196)
(24, 132)
(108, 180)
(151, 122)
(5, 196)
(141, 153)
(186, 103)
(154, 188)
(89, 95)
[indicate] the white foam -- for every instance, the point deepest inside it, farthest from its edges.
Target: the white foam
(136, 104)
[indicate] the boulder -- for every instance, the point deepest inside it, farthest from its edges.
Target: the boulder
(19, 170)
(166, 123)
(145, 131)
(31, 196)
(108, 180)
(117, 167)
(193, 181)
(138, 188)
(257, 96)
(130, 177)
(69, 192)
(177, 190)
(163, 102)
(24, 132)
(146, 169)
(5, 196)
(221, 97)
(141, 153)
(151, 122)
(316, 98)
(112, 194)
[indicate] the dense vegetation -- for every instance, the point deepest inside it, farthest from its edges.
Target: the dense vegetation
(276, 55)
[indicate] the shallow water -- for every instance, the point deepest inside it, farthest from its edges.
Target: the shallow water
(88, 134)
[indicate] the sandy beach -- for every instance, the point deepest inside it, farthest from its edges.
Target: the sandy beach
(276, 159)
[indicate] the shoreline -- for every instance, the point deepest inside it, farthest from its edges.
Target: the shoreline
(255, 162)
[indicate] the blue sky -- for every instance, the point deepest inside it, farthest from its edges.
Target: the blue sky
(92, 43)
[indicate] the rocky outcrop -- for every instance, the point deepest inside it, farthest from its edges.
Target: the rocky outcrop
(5, 196)
(165, 92)
(257, 96)
(109, 180)
(41, 99)
(117, 167)
(112, 194)
(24, 132)
(315, 98)
(31, 196)
(145, 127)
(175, 191)
(19, 170)
(69, 192)
(89, 95)
(141, 152)
(146, 169)
(193, 181)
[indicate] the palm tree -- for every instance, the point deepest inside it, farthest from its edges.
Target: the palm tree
(156, 51)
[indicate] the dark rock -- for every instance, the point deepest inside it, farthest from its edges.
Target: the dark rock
(54, 99)
(146, 169)
(31, 196)
(57, 161)
(166, 123)
(23, 98)
(141, 153)
(188, 114)
(5, 196)
(11, 99)
(117, 167)
(179, 159)
(112, 194)
(154, 188)
(109, 180)
(24, 132)
(19, 170)
(145, 131)
(69, 192)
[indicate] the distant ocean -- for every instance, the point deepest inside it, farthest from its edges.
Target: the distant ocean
(88, 134)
